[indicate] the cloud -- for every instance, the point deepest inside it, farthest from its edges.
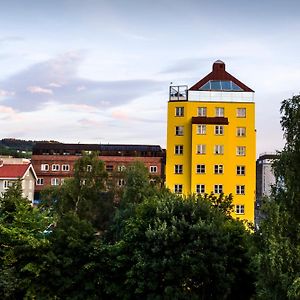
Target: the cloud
(39, 90)
(32, 90)
(4, 93)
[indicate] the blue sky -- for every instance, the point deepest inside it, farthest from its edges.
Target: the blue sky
(99, 71)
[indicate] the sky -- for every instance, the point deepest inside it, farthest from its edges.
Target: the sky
(98, 71)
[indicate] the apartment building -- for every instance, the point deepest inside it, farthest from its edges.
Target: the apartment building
(211, 139)
(54, 162)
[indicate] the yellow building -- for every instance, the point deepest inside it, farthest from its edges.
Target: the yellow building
(211, 139)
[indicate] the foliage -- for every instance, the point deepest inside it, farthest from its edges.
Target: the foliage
(21, 243)
(174, 248)
(278, 264)
(85, 194)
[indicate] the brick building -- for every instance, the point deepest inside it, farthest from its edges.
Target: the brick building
(54, 162)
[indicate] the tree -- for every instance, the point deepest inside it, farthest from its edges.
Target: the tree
(174, 248)
(278, 239)
(85, 194)
(22, 243)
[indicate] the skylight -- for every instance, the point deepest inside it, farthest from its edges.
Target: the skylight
(220, 85)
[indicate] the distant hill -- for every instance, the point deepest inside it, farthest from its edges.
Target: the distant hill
(17, 147)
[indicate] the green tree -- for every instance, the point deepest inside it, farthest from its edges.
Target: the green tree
(85, 194)
(278, 239)
(22, 243)
(174, 248)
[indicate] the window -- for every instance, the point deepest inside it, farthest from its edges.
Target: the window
(54, 181)
(200, 188)
(241, 131)
(240, 170)
(218, 188)
(109, 168)
(121, 168)
(202, 111)
(178, 169)
(240, 209)
(40, 181)
(44, 167)
(6, 184)
(89, 168)
(240, 150)
(121, 182)
(153, 169)
(179, 111)
(201, 129)
(219, 130)
(55, 167)
(219, 111)
(179, 130)
(240, 190)
(241, 112)
(201, 149)
(65, 168)
(219, 149)
(200, 169)
(218, 169)
(178, 149)
(178, 188)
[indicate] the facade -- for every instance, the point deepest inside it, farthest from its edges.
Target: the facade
(54, 162)
(265, 178)
(11, 172)
(211, 139)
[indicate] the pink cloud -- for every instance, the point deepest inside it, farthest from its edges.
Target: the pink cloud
(4, 93)
(120, 115)
(39, 90)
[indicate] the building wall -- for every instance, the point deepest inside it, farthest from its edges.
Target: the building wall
(114, 161)
(190, 139)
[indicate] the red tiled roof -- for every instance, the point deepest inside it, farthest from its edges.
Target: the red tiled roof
(13, 170)
(219, 73)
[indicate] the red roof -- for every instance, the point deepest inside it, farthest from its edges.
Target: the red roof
(219, 73)
(13, 170)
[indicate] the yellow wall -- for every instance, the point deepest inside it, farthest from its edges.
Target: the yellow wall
(229, 159)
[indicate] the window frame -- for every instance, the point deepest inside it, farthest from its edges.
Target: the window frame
(179, 130)
(219, 111)
(240, 209)
(239, 152)
(202, 111)
(240, 189)
(219, 149)
(179, 111)
(45, 167)
(178, 188)
(201, 149)
(55, 167)
(65, 167)
(180, 148)
(200, 169)
(218, 188)
(201, 129)
(153, 169)
(241, 131)
(178, 169)
(219, 130)
(219, 169)
(239, 114)
(241, 170)
(200, 188)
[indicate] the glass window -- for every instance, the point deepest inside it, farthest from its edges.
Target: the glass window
(178, 149)
(55, 167)
(54, 181)
(219, 130)
(200, 188)
(218, 169)
(241, 131)
(179, 130)
(153, 169)
(44, 167)
(201, 129)
(240, 209)
(202, 111)
(121, 168)
(240, 150)
(121, 182)
(109, 168)
(178, 188)
(179, 111)
(218, 188)
(178, 169)
(240, 170)
(241, 112)
(40, 181)
(201, 149)
(200, 169)
(240, 190)
(219, 150)
(215, 85)
(219, 111)
(65, 168)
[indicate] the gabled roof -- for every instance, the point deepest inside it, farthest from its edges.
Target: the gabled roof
(15, 171)
(219, 76)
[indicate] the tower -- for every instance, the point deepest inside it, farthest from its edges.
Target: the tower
(211, 139)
